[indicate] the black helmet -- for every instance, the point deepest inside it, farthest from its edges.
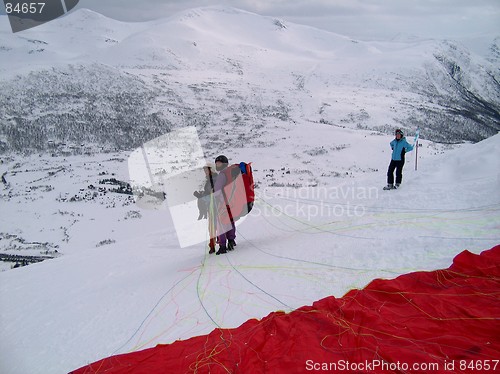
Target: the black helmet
(400, 132)
(222, 159)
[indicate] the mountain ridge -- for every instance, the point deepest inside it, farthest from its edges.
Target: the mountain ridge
(210, 64)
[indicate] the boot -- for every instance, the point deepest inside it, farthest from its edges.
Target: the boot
(231, 244)
(221, 250)
(212, 250)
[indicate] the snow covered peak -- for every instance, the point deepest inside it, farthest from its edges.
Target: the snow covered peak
(210, 11)
(85, 14)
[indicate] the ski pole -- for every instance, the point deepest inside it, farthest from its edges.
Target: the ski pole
(415, 144)
(416, 155)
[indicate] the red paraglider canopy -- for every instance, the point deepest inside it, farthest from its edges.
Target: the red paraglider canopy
(444, 321)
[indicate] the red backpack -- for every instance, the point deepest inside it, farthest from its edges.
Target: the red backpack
(238, 192)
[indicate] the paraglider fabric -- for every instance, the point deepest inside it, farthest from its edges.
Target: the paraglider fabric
(444, 321)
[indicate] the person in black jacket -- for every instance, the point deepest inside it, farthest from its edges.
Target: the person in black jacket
(204, 204)
(204, 195)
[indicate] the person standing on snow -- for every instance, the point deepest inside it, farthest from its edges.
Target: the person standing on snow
(399, 147)
(226, 233)
(205, 204)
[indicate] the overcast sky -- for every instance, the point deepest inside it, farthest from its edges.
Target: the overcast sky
(356, 18)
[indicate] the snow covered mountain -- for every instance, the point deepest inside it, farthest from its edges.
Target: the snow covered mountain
(309, 108)
(89, 79)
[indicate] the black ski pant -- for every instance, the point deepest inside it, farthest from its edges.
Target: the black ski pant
(398, 166)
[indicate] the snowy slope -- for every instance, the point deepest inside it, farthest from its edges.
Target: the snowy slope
(298, 245)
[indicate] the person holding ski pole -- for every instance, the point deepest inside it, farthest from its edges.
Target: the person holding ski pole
(399, 147)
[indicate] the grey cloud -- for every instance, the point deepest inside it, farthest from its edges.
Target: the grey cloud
(351, 17)
(152, 9)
